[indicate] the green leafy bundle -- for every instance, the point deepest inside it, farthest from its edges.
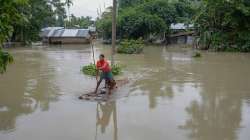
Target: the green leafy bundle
(91, 69)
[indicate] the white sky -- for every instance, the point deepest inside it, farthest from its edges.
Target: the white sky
(88, 7)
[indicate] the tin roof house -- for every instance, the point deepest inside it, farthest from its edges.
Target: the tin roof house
(60, 35)
(182, 34)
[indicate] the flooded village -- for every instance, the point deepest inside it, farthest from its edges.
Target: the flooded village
(175, 70)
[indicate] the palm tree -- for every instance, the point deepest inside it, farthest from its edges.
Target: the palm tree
(68, 3)
(113, 30)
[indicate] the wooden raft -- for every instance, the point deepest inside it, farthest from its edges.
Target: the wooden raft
(102, 94)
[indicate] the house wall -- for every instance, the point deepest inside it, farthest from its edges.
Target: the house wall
(68, 40)
(182, 40)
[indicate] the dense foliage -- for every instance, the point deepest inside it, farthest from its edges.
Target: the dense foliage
(79, 22)
(142, 18)
(36, 14)
(130, 46)
(224, 25)
(91, 69)
(22, 20)
(9, 15)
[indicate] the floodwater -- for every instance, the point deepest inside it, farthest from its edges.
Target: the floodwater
(170, 96)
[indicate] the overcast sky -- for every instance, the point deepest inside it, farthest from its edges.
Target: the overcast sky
(88, 7)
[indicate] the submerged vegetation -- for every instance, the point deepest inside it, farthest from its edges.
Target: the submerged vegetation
(197, 55)
(91, 69)
(130, 46)
(5, 59)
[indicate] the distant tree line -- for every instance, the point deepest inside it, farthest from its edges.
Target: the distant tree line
(79, 22)
(142, 18)
(222, 25)
(22, 21)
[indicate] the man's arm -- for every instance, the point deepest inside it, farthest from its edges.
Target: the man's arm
(104, 66)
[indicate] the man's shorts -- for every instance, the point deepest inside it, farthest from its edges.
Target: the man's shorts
(106, 75)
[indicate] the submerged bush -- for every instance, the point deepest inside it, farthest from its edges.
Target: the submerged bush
(5, 59)
(91, 69)
(197, 55)
(130, 46)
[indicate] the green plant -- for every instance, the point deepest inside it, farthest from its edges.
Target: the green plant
(91, 69)
(197, 55)
(116, 69)
(130, 46)
(222, 25)
(5, 59)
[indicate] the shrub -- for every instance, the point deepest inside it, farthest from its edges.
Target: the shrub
(197, 55)
(5, 59)
(91, 69)
(130, 46)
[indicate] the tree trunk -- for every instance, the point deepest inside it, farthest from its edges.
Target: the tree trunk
(113, 49)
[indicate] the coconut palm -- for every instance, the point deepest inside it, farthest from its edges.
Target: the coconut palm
(68, 3)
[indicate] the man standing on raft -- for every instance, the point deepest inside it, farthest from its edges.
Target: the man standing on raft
(106, 73)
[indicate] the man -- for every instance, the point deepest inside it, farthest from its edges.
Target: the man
(103, 65)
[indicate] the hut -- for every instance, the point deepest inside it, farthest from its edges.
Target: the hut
(60, 35)
(181, 34)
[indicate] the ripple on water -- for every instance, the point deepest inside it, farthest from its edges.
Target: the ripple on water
(4, 109)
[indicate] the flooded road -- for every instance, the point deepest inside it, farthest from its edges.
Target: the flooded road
(170, 96)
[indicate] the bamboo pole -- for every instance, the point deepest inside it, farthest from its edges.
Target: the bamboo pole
(113, 31)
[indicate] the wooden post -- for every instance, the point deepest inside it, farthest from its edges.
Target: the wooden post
(113, 49)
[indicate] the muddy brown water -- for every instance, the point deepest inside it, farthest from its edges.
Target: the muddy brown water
(170, 96)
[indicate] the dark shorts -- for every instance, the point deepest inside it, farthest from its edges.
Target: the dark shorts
(106, 75)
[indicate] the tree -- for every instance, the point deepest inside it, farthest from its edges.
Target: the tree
(79, 22)
(129, 3)
(113, 50)
(8, 14)
(104, 24)
(142, 18)
(68, 3)
(59, 12)
(135, 24)
(224, 25)
(38, 14)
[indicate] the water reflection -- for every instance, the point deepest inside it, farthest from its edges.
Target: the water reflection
(27, 91)
(219, 113)
(170, 95)
(104, 112)
(161, 72)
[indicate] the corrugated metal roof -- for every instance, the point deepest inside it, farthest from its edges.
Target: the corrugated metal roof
(69, 33)
(178, 26)
(181, 26)
(52, 28)
(45, 33)
(57, 33)
(60, 32)
(83, 32)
